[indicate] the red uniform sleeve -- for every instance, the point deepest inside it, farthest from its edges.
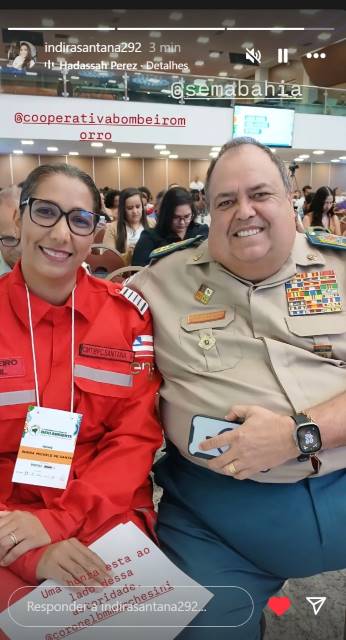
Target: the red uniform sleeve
(121, 466)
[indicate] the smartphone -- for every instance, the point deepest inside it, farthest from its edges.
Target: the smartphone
(204, 427)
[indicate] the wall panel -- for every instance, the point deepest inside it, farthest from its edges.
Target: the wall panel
(22, 166)
(178, 172)
(5, 172)
(106, 172)
(155, 177)
(130, 172)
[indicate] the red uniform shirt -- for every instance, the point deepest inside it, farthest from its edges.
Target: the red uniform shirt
(115, 385)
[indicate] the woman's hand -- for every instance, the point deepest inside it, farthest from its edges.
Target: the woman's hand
(20, 531)
(70, 561)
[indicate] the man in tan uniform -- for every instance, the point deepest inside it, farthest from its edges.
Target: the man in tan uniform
(251, 324)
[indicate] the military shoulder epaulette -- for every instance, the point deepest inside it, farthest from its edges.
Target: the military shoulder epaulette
(132, 296)
(160, 252)
(325, 239)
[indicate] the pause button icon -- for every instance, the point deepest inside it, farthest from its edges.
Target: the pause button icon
(282, 55)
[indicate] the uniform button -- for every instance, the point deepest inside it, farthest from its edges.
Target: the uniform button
(311, 256)
(196, 258)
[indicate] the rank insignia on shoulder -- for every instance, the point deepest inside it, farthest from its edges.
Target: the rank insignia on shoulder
(314, 292)
(160, 252)
(325, 239)
(134, 297)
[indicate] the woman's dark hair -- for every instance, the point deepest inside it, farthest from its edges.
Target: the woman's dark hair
(146, 191)
(316, 206)
(28, 57)
(172, 199)
(120, 243)
(36, 176)
(109, 197)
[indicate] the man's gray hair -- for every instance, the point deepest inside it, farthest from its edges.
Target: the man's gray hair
(238, 142)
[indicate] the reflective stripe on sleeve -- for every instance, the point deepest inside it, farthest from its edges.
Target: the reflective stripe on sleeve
(101, 375)
(8, 398)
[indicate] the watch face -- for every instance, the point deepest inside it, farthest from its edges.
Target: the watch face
(309, 438)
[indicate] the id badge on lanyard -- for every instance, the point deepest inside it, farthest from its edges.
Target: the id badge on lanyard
(49, 437)
(47, 447)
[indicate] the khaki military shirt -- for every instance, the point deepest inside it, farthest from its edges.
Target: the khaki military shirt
(253, 353)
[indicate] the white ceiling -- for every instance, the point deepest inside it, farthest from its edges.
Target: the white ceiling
(147, 150)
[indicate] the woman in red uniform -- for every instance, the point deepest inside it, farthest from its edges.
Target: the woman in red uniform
(72, 342)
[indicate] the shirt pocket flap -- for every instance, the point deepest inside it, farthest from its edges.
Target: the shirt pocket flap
(319, 325)
(215, 319)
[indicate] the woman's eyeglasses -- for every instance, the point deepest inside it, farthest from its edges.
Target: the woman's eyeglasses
(47, 214)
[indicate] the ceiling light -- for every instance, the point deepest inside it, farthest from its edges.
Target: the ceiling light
(276, 30)
(110, 150)
(228, 23)
(297, 159)
(96, 144)
(342, 157)
(214, 54)
(165, 153)
(157, 59)
(238, 67)
(273, 150)
(114, 55)
(223, 74)
(74, 77)
(18, 152)
(175, 16)
(125, 155)
(47, 22)
(304, 156)
(73, 153)
(292, 50)
(318, 153)
(213, 154)
(203, 39)
(216, 149)
(173, 156)
(155, 34)
(159, 146)
(27, 141)
(72, 40)
(199, 63)
(247, 45)
(309, 12)
(52, 149)
(335, 160)
(325, 35)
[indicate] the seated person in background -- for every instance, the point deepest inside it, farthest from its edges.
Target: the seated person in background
(147, 200)
(198, 198)
(124, 234)
(9, 244)
(321, 212)
(51, 312)
(176, 222)
(112, 203)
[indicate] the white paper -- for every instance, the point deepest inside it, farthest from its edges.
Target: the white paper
(47, 447)
(142, 577)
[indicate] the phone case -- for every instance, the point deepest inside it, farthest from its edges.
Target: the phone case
(203, 427)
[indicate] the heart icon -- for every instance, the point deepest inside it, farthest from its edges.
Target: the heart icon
(279, 604)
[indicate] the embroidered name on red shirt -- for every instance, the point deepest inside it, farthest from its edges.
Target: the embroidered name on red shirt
(12, 367)
(108, 353)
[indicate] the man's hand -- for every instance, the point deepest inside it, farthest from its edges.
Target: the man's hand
(70, 561)
(20, 531)
(263, 441)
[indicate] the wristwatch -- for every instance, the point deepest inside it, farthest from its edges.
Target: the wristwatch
(306, 435)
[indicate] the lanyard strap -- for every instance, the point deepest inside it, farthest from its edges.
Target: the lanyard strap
(34, 353)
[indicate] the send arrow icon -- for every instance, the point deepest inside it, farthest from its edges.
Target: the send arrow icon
(316, 603)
